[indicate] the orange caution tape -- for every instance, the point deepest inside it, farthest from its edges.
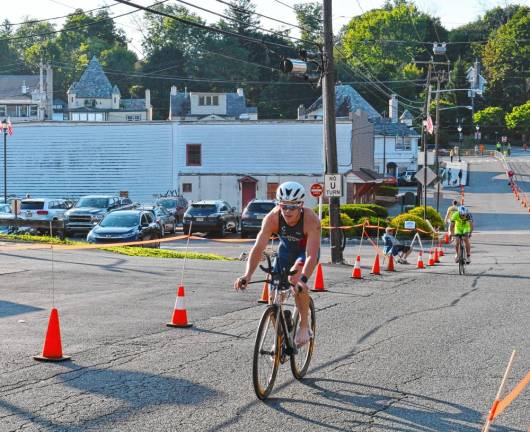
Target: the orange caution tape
(493, 410)
(504, 403)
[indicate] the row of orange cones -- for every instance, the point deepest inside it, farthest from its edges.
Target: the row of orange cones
(52, 349)
(517, 192)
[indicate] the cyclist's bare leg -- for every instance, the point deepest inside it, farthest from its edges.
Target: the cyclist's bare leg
(302, 304)
(468, 245)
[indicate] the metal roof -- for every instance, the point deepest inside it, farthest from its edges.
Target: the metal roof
(93, 82)
(11, 86)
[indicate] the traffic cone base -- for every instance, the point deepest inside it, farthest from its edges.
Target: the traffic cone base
(436, 256)
(431, 259)
(376, 268)
(180, 316)
(390, 265)
(264, 294)
(52, 350)
(356, 274)
(420, 264)
(319, 280)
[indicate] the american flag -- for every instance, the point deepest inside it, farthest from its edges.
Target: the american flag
(429, 127)
(9, 127)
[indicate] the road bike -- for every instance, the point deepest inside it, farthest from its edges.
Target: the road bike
(461, 254)
(275, 337)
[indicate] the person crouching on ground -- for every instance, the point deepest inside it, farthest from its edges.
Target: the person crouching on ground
(394, 247)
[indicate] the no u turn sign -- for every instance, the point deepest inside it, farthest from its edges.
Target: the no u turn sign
(333, 185)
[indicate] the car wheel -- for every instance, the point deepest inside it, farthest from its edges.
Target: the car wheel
(186, 229)
(162, 231)
(174, 230)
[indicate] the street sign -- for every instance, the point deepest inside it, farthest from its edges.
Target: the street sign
(430, 176)
(409, 225)
(333, 185)
(316, 189)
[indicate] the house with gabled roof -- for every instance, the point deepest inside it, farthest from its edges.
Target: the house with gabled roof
(193, 106)
(94, 98)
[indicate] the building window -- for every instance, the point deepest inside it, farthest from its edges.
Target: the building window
(134, 117)
(33, 110)
(72, 99)
(186, 187)
(201, 100)
(193, 155)
(271, 190)
(215, 100)
(402, 143)
(3, 111)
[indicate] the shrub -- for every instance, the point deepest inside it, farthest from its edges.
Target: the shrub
(386, 190)
(373, 221)
(399, 222)
(380, 211)
(434, 217)
(354, 211)
(345, 220)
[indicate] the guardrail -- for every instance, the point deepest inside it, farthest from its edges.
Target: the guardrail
(54, 226)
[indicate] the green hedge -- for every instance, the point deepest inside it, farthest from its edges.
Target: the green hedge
(434, 217)
(373, 221)
(354, 211)
(380, 211)
(386, 190)
(345, 220)
(399, 222)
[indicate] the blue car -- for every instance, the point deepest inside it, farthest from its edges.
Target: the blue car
(123, 226)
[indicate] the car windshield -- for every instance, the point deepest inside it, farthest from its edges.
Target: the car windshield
(120, 220)
(202, 209)
(32, 205)
(93, 202)
(160, 211)
(260, 207)
(167, 203)
(5, 208)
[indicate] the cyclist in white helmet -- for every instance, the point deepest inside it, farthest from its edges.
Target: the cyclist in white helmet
(298, 229)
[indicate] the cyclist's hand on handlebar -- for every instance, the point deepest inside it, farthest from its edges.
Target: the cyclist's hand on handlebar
(301, 287)
(241, 283)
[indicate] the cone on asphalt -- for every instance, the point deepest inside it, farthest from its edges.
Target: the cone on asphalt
(180, 316)
(356, 274)
(265, 293)
(319, 280)
(390, 264)
(52, 350)
(420, 264)
(376, 268)
(441, 250)
(436, 256)
(446, 238)
(431, 258)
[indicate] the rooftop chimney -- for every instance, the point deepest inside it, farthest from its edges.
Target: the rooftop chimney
(301, 112)
(24, 89)
(393, 109)
(173, 90)
(240, 92)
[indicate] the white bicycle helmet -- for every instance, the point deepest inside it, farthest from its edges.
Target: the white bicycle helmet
(463, 211)
(290, 191)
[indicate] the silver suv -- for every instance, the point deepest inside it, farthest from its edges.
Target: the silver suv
(43, 209)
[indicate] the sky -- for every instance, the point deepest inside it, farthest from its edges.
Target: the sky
(452, 13)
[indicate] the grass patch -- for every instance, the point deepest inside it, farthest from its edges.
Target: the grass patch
(165, 253)
(124, 250)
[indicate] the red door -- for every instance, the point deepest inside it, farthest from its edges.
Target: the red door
(248, 192)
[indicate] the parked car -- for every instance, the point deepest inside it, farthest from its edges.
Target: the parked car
(407, 178)
(211, 217)
(5, 213)
(90, 210)
(253, 215)
(125, 226)
(390, 180)
(45, 209)
(164, 218)
(176, 205)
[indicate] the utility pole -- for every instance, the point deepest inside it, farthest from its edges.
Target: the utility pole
(439, 78)
(424, 136)
(330, 138)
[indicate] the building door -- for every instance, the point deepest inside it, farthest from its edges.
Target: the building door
(248, 192)
(391, 168)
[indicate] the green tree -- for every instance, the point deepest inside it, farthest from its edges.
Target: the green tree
(242, 19)
(518, 120)
(490, 119)
(309, 17)
(507, 61)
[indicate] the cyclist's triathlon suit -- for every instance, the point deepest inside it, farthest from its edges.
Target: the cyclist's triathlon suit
(462, 226)
(292, 244)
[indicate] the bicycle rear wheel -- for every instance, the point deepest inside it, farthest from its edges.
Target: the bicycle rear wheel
(266, 354)
(300, 361)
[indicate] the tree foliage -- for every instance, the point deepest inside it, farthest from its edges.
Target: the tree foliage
(518, 120)
(490, 119)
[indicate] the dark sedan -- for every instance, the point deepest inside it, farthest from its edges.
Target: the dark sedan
(211, 217)
(176, 205)
(253, 215)
(123, 226)
(164, 218)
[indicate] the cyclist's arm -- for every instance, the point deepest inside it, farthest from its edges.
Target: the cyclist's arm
(262, 240)
(312, 245)
(452, 228)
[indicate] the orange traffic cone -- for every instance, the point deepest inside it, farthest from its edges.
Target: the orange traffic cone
(319, 280)
(436, 255)
(376, 269)
(431, 258)
(265, 293)
(420, 264)
(441, 250)
(180, 316)
(390, 265)
(356, 274)
(52, 350)
(446, 238)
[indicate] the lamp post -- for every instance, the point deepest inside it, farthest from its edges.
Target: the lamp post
(477, 129)
(4, 129)
(459, 129)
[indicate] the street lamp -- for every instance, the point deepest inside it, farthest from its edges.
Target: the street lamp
(459, 128)
(4, 129)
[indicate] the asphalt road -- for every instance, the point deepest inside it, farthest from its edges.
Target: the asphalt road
(405, 351)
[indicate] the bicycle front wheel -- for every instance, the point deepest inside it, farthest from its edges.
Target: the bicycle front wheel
(267, 351)
(300, 361)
